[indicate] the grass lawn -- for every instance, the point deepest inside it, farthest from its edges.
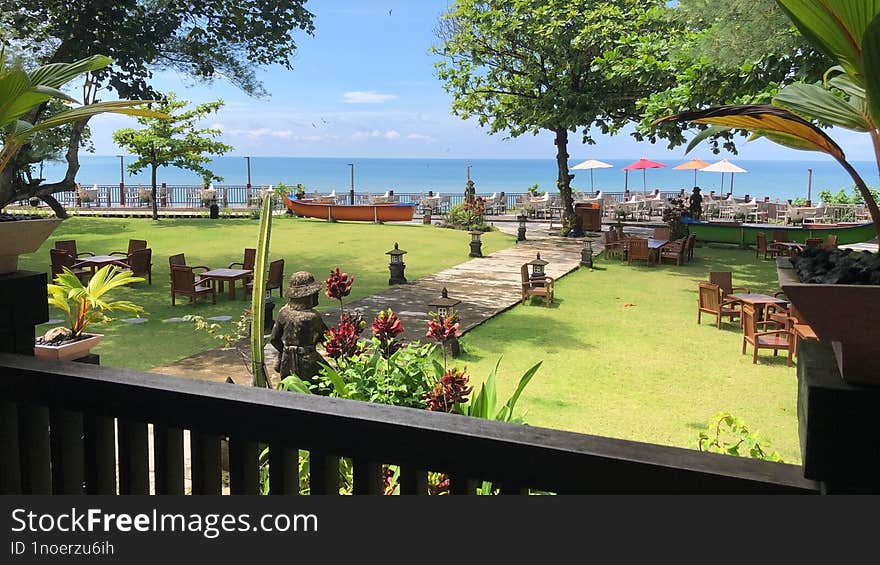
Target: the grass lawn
(623, 356)
(304, 244)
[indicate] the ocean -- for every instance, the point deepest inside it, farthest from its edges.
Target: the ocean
(776, 179)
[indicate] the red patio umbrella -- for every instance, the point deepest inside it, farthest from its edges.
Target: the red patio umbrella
(642, 164)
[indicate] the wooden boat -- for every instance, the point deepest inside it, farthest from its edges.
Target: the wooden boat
(389, 212)
(744, 233)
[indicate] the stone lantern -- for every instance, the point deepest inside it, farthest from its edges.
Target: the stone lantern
(444, 306)
(426, 214)
(521, 232)
(537, 266)
(396, 265)
(587, 253)
(476, 244)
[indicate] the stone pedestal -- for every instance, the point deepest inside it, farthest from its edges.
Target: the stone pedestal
(476, 249)
(836, 424)
(23, 305)
(397, 273)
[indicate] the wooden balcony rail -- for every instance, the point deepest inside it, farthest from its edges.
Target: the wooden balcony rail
(65, 427)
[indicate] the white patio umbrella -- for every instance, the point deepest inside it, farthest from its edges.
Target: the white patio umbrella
(592, 164)
(724, 166)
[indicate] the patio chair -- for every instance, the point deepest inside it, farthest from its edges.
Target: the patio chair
(724, 280)
(179, 260)
(183, 281)
(614, 247)
(775, 339)
(60, 259)
(675, 251)
(761, 246)
(637, 250)
(140, 263)
(274, 280)
(536, 286)
(830, 242)
(133, 245)
(710, 301)
(69, 245)
(662, 233)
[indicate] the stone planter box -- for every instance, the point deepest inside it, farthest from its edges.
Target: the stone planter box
(21, 237)
(845, 316)
(68, 351)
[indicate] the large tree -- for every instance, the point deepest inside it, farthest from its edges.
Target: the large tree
(200, 39)
(176, 141)
(523, 66)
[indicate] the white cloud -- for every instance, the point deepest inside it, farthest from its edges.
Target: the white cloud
(362, 135)
(420, 137)
(366, 97)
(217, 127)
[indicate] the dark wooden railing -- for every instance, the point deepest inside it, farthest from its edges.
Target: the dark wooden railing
(57, 436)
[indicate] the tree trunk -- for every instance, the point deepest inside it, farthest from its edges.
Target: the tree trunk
(155, 208)
(571, 227)
(870, 203)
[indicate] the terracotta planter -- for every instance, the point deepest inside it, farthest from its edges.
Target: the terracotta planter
(73, 350)
(21, 237)
(844, 315)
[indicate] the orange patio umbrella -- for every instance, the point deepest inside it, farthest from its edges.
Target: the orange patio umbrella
(695, 164)
(642, 164)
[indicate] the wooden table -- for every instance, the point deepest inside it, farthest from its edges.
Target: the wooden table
(654, 246)
(97, 261)
(230, 275)
(791, 247)
(759, 301)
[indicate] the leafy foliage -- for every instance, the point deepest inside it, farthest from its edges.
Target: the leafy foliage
(730, 435)
(87, 304)
(468, 215)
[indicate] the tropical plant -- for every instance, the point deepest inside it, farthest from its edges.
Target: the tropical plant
(848, 31)
(258, 297)
(443, 329)
(175, 141)
(468, 215)
(23, 93)
(730, 435)
(87, 304)
(338, 286)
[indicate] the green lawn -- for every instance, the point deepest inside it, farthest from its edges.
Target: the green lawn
(304, 244)
(623, 356)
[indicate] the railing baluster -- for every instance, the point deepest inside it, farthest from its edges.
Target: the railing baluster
(205, 463)
(323, 473)
(99, 444)
(413, 480)
(367, 476)
(244, 470)
(168, 459)
(33, 422)
(68, 465)
(283, 470)
(134, 458)
(10, 470)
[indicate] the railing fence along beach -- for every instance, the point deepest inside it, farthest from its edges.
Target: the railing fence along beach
(69, 428)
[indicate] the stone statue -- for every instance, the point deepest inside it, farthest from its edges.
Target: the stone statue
(298, 329)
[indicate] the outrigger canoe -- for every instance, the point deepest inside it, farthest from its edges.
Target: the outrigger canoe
(390, 212)
(744, 233)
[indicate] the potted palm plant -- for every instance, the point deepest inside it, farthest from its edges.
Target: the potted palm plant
(83, 305)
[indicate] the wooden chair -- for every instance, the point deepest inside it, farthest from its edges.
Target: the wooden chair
(675, 251)
(536, 286)
(709, 300)
(140, 263)
(637, 250)
(776, 339)
(133, 245)
(724, 280)
(614, 247)
(813, 242)
(274, 280)
(69, 245)
(250, 259)
(761, 246)
(61, 258)
(179, 260)
(183, 281)
(662, 233)
(830, 242)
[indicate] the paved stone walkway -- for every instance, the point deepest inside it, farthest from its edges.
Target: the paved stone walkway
(486, 286)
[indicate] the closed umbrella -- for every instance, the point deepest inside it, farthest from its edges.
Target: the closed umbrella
(591, 164)
(725, 166)
(695, 164)
(642, 164)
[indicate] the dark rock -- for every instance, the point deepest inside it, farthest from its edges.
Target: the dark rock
(839, 266)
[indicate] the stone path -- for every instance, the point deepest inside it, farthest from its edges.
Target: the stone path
(486, 286)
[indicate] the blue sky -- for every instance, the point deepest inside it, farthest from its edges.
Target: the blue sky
(364, 86)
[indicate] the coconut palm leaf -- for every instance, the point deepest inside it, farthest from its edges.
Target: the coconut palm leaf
(813, 101)
(871, 57)
(705, 134)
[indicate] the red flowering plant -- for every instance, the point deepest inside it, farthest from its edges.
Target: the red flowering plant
(449, 392)
(338, 286)
(341, 341)
(443, 329)
(386, 327)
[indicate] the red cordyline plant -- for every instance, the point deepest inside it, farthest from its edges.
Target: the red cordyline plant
(443, 329)
(338, 286)
(342, 340)
(452, 389)
(386, 327)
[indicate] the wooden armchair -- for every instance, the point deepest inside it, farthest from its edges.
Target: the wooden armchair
(536, 286)
(775, 339)
(69, 245)
(61, 258)
(183, 281)
(637, 250)
(709, 301)
(675, 251)
(133, 245)
(179, 260)
(274, 280)
(724, 280)
(140, 263)
(662, 233)
(761, 246)
(614, 247)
